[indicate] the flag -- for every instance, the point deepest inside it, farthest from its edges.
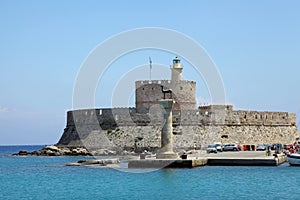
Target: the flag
(150, 62)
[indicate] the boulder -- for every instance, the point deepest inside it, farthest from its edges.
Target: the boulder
(74, 151)
(50, 153)
(22, 153)
(65, 151)
(113, 163)
(37, 153)
(82, 151)
(57, 154)
(52, 148)
(73, 164)
(90, 162)
(101, 152)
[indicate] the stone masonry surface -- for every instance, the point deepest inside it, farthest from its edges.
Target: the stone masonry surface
(126, 128)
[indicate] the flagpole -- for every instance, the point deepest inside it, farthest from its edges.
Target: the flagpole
(150, 61)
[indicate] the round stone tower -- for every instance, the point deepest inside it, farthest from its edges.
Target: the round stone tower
(148, 93)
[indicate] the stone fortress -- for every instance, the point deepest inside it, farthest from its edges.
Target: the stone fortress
(140, 127)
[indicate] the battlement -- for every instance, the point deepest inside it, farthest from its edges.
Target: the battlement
(161, 82)
(216, 107)
(97, 116)
(265, 118)
(205, 115)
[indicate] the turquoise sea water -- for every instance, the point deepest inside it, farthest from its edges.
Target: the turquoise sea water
(48, 178)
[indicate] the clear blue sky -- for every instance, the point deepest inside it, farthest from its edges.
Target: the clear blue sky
(255, 45)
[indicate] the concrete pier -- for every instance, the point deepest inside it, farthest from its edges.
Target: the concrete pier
(246, 159)
(167, 163)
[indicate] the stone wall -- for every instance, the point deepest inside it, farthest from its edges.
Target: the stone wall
(148, 93)
(125, 127)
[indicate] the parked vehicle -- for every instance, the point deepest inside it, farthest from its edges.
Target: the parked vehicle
(218, 147)
(211, 149)
(260, 147)
(276, 146)
(287, 146)
(230, 147)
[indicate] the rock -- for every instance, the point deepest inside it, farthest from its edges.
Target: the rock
(112, 163)
(22, 153)
(91, 162)
(74, 152)
(52, 148)
(101, 152)
(73, 164)
(82, 151)
(50, 153)
(109, 152)
(94, 153)
(56, 151)
(109, 161)
(37, 153)
(65, 151)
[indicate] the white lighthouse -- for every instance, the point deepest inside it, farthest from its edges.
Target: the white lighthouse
(176, 71)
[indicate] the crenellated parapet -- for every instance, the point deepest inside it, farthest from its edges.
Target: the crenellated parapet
(266, 118)
(247, 117)
(161, 82)
(204, 115)
(148, 93)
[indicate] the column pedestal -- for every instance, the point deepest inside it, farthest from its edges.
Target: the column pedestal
(166, 151)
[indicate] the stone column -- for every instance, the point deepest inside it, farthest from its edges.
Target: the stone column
(166, 151)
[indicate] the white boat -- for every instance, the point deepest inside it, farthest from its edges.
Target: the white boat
(294, 159)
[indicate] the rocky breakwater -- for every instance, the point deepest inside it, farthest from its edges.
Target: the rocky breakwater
(110, 163)
(53, 150)
(56, 151)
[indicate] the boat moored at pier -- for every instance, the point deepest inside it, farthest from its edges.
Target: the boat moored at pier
(294, 159)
